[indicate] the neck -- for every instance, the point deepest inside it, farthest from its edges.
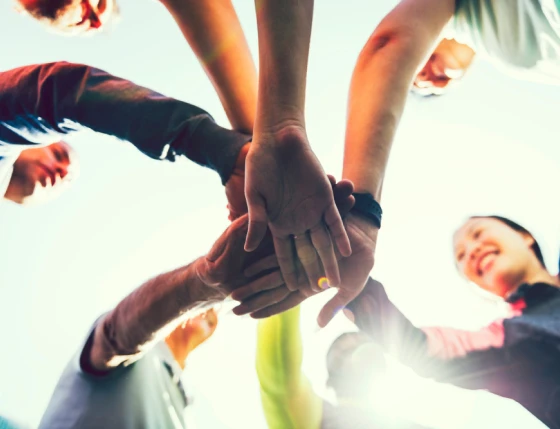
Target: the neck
(538, 274)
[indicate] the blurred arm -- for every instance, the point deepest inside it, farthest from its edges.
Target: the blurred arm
(147, 315)
(214, 33)
(40, 103)
(380, 84)
(430, 350)
(288, 399)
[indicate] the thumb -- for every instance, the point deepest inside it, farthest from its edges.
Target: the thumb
(257, 221)
(331, 308)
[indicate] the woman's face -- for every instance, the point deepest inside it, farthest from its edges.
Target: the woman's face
(492, 255)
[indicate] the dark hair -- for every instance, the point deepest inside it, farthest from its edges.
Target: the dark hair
(516, 227)
(49, 10)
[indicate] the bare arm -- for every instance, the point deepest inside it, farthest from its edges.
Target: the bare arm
(285, 186)
(284, 35)
(154, 309)
(380, 84)
(147, 315)
(214, 33)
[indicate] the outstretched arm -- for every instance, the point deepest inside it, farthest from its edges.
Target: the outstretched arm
(287, 396)
(381, 82)
(286, 187)
(154, 309)
(41, 103)
(214, 33)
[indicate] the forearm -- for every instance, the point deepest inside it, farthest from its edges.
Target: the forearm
(41, 103)
(287, 396)
(147, 315)
(378, 92)
(284, 28)
(214, 33)
(380, 85)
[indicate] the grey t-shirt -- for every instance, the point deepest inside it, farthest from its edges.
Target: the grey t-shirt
(523, 36)
(143, 395)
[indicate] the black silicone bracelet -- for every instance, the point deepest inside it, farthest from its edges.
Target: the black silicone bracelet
(367, 206)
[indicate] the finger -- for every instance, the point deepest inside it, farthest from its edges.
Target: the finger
(322, 243)
(266, 282)
(337, 231)
(286, 255)
(332, 180)
(345, 206)
(263, 264)
(337, 303)
(262, 300)
(309, 260)
(293, 300)
(343, 189)
(257, 222)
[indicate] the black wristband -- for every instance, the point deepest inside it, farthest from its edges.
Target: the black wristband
(368, 207)
(215, 147)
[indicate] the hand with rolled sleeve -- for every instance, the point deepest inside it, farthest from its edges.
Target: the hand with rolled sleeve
(154, 309)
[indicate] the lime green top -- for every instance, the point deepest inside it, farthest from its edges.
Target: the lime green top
(288, 399)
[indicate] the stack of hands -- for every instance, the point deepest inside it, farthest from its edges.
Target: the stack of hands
(293, 233)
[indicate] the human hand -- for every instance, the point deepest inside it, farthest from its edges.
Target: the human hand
(235, 186)
(222, 268)
(288, 191)
(258, 296)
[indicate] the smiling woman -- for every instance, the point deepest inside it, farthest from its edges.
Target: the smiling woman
(498, 255)
(514, 357)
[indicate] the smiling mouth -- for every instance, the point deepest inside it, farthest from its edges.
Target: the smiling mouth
(48, 174)
(485, 261)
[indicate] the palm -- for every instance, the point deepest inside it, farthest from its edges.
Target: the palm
(292, 182)
(288, 191)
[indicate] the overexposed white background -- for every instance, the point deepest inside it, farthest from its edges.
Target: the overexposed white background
(489, 146)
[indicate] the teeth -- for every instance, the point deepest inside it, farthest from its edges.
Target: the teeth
(482, 262)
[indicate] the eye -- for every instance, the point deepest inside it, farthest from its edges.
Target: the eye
(477, 233)
(460, 256)
(57, 155)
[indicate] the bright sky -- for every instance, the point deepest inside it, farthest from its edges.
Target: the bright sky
(487, 147)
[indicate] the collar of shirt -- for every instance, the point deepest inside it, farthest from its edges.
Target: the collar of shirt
(533, 293)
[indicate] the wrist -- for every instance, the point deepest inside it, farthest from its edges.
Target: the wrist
(216, 147)
(204, 289)
(365, 224)
(201, 292)
(277, 116)
(366, 205)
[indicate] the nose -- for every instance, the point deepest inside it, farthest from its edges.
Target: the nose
(62, 171)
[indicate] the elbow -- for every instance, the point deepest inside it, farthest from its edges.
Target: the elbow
(387, 44)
